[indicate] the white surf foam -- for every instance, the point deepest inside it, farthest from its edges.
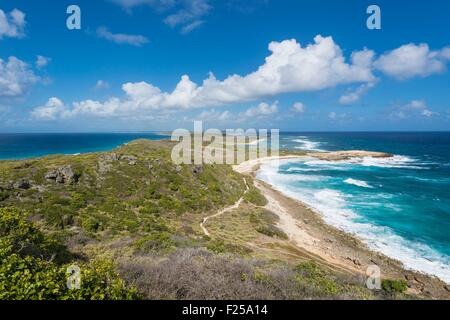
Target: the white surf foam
(395, 161)
(332, 205)
(307, 144)
(358, 183)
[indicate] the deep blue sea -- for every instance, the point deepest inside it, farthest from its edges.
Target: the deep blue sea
(30, 145)
(399, 206)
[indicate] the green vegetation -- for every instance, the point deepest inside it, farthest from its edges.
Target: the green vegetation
(135, 207)
(272, 231)
(27, 270)
(393, 287)
(254, 196)
(116, 193)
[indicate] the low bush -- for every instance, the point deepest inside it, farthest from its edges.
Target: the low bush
(393, 287)
(254, 196)
(272, 231)
(33, 266)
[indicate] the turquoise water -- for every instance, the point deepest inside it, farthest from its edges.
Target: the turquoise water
(399, 206)
(29, 145)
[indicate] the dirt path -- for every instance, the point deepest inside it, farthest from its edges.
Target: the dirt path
(225, 210)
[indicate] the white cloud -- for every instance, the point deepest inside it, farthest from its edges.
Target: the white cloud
(414, 107)
(121, 38)
(289, 68)
(191, 26)
(353, 96)
(417, 104)
(186, 14)
(12, 24)
(101, 84)
(298, 107)
(337, 116)
(213, 115)
(420, 106)
(53, 109)
(15, 77)
(42, 61)
(427, 113)
(412, 60)
(261, 110)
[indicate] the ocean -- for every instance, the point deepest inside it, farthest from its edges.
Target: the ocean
(399, 206)
(30, 145)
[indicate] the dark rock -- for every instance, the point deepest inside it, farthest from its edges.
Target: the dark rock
(132, 160)
(447, 287)
(51, 175)
(63, 175)
(197, 169)
(67, 220)
(22, 184)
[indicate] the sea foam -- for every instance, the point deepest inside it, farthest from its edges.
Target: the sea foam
(358, 183)
(333, 206)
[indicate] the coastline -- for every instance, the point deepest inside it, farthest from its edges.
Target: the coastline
(312, 235)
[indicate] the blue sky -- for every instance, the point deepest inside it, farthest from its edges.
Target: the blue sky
(275, 64)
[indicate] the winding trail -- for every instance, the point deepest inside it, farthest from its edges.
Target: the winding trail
(225, 210)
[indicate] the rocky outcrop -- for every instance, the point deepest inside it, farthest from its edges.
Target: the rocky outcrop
(63, 175)
(197, 169)
(22, 184)
(346, 155)
(132, 160)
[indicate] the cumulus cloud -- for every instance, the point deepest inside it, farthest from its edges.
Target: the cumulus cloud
(412, 60)
(261, 110)
(15, 77)
(12, 24)
(289, 68)
(121, 38)
(413, 108)
(42, 61)
(53, 109)
(298, 107)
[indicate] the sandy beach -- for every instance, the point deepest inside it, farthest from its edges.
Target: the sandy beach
(330, 246)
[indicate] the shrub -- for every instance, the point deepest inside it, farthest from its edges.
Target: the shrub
(254, 196)
(32, 278)
(24, 238)
(27, 270)
(310, 273)
(156, 241)
(272, 231)
(393, 287)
